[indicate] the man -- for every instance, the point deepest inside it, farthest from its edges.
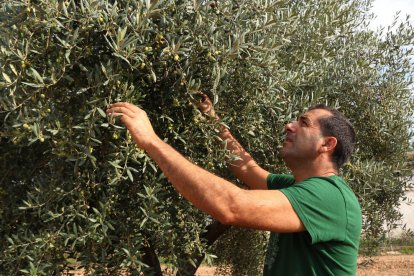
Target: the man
(316, 214)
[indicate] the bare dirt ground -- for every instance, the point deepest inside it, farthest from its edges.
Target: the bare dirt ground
(388, 265)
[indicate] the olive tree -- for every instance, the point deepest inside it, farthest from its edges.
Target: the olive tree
(74, 189)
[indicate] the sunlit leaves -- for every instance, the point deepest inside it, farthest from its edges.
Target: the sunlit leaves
(75, 189)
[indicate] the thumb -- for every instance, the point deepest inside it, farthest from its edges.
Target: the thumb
(204, 104)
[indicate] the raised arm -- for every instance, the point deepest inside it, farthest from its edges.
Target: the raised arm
(266, 210)
(245, 169)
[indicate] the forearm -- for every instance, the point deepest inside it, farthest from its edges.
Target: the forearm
(240, 167)
(265, 210)
(244, 161)
(205, 190)
(245, 167)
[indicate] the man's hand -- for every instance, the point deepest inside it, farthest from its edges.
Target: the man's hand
(206, 106)
(245, 168)
(136, 120)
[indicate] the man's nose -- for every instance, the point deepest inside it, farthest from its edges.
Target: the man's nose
(290, 127)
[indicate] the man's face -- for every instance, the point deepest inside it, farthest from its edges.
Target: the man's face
(303, 137)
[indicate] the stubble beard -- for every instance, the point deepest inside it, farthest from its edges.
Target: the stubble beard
(295, 157)
(287, 155)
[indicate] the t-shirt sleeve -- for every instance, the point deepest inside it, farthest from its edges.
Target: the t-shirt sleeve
(279, 181)
(321, 207)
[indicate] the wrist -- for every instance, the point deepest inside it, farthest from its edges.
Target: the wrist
(223, 131)
(212, 114)
(153, 143)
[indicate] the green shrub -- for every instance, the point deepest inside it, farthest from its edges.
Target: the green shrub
(75, 190)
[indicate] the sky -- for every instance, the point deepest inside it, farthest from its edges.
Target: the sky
(386, 9)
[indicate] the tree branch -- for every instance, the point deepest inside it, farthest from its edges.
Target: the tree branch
(213, 232)
(150, 258)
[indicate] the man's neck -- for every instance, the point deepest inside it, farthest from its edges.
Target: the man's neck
(303, 171)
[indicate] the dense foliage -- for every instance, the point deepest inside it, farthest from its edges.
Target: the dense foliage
(74, 191)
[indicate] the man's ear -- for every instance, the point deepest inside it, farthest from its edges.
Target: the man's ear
(329, 144)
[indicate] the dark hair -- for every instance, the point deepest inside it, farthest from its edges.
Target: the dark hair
(341, 128)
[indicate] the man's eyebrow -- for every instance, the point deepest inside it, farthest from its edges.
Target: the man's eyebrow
(305, 119)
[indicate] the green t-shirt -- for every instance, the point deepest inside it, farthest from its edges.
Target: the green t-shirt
(331, 214)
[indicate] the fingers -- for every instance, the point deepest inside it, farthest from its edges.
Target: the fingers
(123, 108)
(205, 99)
(128, 106)
(204, 103)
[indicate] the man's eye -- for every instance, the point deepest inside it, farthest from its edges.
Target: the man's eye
(303, 122)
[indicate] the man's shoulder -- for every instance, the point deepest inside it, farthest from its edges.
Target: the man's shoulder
(333, 181)
(331, 184)
(336, 191)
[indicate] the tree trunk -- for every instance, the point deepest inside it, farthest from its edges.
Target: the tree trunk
(214, 231)
(150, 258)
